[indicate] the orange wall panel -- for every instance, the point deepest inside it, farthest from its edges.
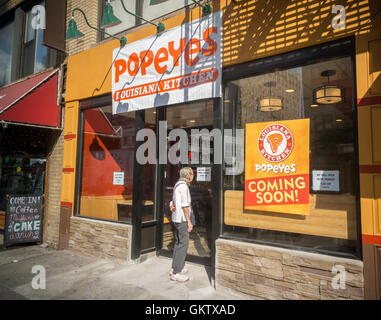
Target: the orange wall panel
(377, 216)
(71, 118)
(367, 203)
(68, 183)
(375, 66)
(376, 133)
(364, 135)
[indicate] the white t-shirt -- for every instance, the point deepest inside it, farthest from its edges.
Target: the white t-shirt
(181, 198)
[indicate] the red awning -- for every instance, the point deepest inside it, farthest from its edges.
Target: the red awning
(32, 101)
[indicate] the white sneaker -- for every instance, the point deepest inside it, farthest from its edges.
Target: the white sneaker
(184, 271)
(179, 277)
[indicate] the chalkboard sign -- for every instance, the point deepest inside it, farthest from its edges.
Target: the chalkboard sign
(23, 219)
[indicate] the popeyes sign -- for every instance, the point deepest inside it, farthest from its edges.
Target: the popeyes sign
(277, 166)
(176, 66)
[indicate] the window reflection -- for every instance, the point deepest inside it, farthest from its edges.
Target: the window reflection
(331, 224)
(149, 174)
(35, 57)
(108, 162)
(127, 19)
(159, 8)
(147, 9)
(6, 45)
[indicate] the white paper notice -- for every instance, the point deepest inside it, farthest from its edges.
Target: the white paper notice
(118, 179)
(204, 174)
(325, 180)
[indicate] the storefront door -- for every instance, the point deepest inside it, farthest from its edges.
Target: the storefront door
(196, 121)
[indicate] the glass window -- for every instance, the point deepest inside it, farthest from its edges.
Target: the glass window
(108, 164)
(35, 54)
(30, 33)
(6, 46)
(41, 58)
(149, 174)
(128, 20)
(149, 10)
(332, 223)
(155, 9)
(22, 164)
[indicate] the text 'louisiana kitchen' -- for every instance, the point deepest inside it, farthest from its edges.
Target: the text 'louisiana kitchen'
(162, 61)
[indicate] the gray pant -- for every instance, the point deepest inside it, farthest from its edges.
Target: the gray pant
(181, 246)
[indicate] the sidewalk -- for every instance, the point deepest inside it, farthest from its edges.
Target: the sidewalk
(77, 277)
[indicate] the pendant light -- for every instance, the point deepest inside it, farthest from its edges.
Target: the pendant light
(270, 102)
(72, 30)
(109, 20)
(74, 33)
(328, 94)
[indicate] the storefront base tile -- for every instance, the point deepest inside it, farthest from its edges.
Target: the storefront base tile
(101, 239)
(267, 272)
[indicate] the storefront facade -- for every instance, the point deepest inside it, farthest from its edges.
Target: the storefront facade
(31, 123)
(295, 65)
(31, 114)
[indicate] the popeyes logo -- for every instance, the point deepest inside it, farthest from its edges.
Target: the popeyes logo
(281, 183)
(275, 143)
(179, 65)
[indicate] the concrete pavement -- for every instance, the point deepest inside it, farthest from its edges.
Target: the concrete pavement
(78, 277)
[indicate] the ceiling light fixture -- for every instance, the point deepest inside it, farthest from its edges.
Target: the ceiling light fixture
(328, 94)
(270, 102)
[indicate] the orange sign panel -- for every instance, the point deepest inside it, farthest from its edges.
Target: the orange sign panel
(277, 166)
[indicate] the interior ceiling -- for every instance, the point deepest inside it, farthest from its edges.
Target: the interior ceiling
(197, 114)
(309, 75)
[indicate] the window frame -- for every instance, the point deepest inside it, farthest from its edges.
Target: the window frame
(88, 104)
(50, 53)
(138, 21)
(18, 15)
(9, 18)
(298, 58)
(102, 3)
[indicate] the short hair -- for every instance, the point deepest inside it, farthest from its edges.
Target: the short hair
(185, 173)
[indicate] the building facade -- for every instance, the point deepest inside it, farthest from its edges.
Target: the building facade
(281, 62)
(31, 86)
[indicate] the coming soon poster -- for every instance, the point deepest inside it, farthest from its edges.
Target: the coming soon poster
(277, 166)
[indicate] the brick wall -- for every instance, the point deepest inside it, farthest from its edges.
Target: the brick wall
(90, 8)
(274, 273)
(100, 239)
(53, 193)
